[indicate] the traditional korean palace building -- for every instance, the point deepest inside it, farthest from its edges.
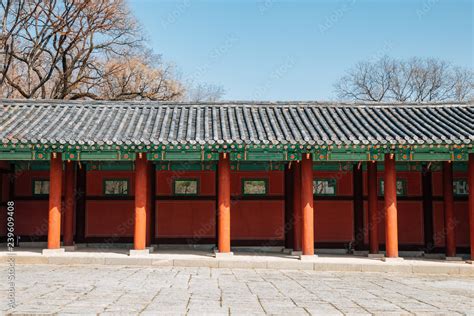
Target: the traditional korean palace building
(303, 175)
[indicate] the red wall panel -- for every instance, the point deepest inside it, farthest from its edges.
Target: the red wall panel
(333, 221)
(4, 184)
(31, 218)
(185, 219)
(257, 219)
(438, 224)
(461, 216)
(3, 221)
(5, 187)
(109, 218)
(410, 222)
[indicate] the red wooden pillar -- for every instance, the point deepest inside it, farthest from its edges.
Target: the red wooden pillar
(297, 210)
(307, 205)
(372, 205)
(470, 180)
(148, 203)
(390, 195)
(69, 204)
(139, 237)
(223, 202)
(54, 216)
(448, 202)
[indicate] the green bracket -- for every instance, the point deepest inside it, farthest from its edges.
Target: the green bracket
(376, 154)
(154, 156)
(321, 154)
(460, 154)
(403, 154)
(41, 155)
(211, 156)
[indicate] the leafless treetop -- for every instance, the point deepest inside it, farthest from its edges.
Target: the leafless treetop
(413, 80)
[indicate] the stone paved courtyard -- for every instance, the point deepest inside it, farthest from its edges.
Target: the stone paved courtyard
(89, 289)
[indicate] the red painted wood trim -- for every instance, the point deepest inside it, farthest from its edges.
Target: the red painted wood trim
(289, 196)
(81, 202)
(69, 203)
(471, 202)
(297, 210)
(449, 220)
(358, 205)
(428, 220)
(374, 215)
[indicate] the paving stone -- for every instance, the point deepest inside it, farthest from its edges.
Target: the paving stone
(151, 290)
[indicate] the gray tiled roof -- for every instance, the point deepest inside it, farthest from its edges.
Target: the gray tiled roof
(308, 123)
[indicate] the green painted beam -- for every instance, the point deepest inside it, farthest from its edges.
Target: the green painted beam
(110, 166)
(182, 156)
(238, 152)
(16, 155)
(348, 156)
(431, 156)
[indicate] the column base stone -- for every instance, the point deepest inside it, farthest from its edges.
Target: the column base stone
(135, 253)
(150, 248)
(389, 259)
(287, 251)
(70, 248)
(375, 255)
(49, 252)
(470, 262)
(308, 258)
(221, 255)
(453, 259)
(296, 252)
(433, 256)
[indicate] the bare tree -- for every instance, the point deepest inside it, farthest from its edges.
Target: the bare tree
(205, 93)
(59, 43)
(413, 80)
(367, 81)
(63, 49)
(12, 21)
(462, 83)
(139, 77)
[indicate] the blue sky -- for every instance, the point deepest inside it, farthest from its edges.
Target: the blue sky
(296, 50)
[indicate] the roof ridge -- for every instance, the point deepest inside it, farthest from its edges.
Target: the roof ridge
(108, 103)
